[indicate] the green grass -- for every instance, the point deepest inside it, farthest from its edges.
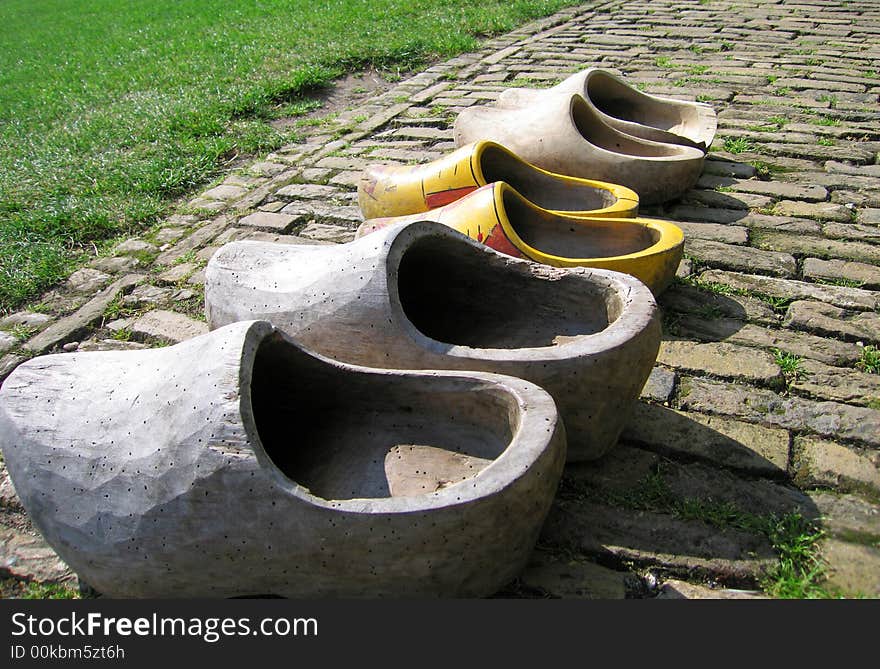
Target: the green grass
(845, 283)
(109, 113)
(779, 305)
(799, 571)
(763, 170)
(790, 364)
(708, 286)
(122, 334)
(526, 82)
(22, 332)
(773, 123)
(737, 144)
(115, 310)
(48, 591)
(870, 360)
(763, 127)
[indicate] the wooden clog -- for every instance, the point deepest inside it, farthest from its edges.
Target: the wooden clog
(563, 133)
(238, 463)
(498, 216)
(423, 296)
(628, 109)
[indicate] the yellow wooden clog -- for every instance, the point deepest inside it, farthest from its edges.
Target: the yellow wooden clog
(501, 218)
(399, 190)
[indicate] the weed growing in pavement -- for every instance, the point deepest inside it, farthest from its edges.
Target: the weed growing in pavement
(844, 283)
(790, 364)
(870, 360)
(762, 170)
(737, 144)
(799, 570)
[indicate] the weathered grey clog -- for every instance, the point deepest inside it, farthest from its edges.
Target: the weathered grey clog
(628, 109)
(237, 463)
(564, 133)
(423, 296)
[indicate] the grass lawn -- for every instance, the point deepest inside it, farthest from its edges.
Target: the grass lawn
(110, 110)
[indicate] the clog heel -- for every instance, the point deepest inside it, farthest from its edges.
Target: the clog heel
(238, 463)
(500, 217)
(423, 296)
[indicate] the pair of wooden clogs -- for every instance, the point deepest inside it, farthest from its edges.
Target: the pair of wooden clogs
(298, 450)
(488, 193)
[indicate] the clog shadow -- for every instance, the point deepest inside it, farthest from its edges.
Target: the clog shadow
(675, 497)
(713, 193)
(688, 496)
(717, 199)
(697, 312)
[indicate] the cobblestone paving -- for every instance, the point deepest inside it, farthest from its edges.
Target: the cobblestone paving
(766, 397)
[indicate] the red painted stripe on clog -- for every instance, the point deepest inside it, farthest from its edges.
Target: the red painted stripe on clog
(444, 197)
(497, 239)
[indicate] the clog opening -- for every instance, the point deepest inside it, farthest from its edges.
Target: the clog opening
(598, 133)
(568, 238)
(542, 189)
(347, 434)
(462, 295)
(620, 101)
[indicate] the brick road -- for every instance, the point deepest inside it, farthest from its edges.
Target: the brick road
(765, 400)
